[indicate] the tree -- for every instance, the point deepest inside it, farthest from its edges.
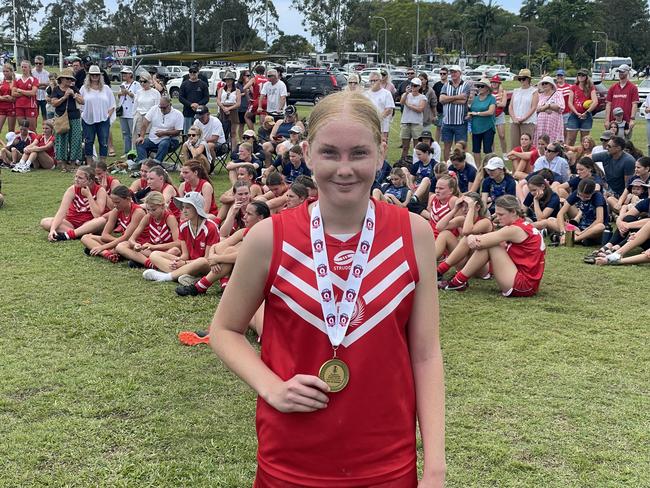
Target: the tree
(627, 22)
(293, 46)
(25, 12)
(530, 9)
(569, 23)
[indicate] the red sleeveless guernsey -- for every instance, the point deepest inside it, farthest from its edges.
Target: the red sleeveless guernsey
(185, 187)
(172, 205)
(79, 209)
(528, 256)
(156, 232)
(366, 435)
(124, 220)
(438, 210)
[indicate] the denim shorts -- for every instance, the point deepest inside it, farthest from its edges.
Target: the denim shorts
(576, 123)
(500, 119)
(438, 121)
(565, 118)
(454, 133)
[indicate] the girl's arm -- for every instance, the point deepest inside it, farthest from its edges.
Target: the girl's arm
(207, 193)
(600, 218)
(109, 227)
(227, 197)
(226, 226)
(533, 106)
(97, 205)
(560, 216)
(238, 102)
(482, 226)
(426, 358)
(303, 392)
(142, 223)
(169, 194)
(468, 222)
(509, 233)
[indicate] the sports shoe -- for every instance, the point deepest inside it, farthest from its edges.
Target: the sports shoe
(452, 287)
(26, 168)
(188, 280)
(60, 236)
(191, 338)
(86, 251)
(134, 264)
(154, 275)
(18, 167)
(187, 290)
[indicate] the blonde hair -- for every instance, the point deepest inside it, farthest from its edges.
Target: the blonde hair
(353, 105)
(154, 198)
(452, 183)
(10, 68)
(510, 203)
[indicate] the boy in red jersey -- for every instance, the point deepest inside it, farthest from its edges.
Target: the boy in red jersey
(325, 385)
(519, 266)
(255, 85)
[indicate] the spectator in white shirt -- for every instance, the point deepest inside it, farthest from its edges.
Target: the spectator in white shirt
(126, 98)
(166, 125)
(211, 130)
(43, 77)
(274, 92)
(146, 98)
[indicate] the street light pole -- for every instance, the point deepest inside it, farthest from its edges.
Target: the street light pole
(223, 22)
(266, 24)
(606, 39)
(595, 50)
(385, 37)
(527, 42)
(417, 36)
(15, 35)
(192, 25)
(60, 47)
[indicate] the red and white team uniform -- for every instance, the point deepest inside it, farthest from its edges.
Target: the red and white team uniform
(185, 187)
(42, 141)
(26, 106)
(6, 108)
(528, 256)
(79, 210)
(172, 206)
(124, 220)
(256, 91)
(437, 210)
(366, 435)
(156, 231)
(197, 244)
(108, 183)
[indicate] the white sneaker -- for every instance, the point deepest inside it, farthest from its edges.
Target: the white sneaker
(26, 168)
(155, 275)
(18, 167)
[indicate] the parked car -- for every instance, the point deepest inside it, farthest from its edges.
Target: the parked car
(161, 71)
(312, 85)
(644, 90)
(474, 75)
(177, 71)
(212, 75)
(114, 73)
(503, 75)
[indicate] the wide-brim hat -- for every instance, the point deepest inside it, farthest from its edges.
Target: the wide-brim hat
(94, 70)
(524, 73)
(195, 199)
(229, 76)
(482, 82)
(548, 79)
(126, 70)
(66, 73)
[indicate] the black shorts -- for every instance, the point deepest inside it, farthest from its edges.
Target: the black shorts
(416, 207)
(242, 117)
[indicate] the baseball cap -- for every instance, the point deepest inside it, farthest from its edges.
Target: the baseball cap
(290, 110)
(269, 120)
(618, 111)
(623, 67)
(426, 134)
(126, 70)
(296, 129)
(560, 72)
(10, 136)
(250, 133)
(200, 110)
(606, 135)
(495, 163)
(454, 67)
(195, 199)
(87, 60)
(495, 79)
(416, 81)
(583, 71)
(638, 182)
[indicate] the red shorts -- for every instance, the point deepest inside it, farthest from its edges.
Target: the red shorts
(522, 287)
(77, 220)
(26, 112)
(8, 112)
(264, 480)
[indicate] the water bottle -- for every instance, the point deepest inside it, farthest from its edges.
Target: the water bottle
(569, 236)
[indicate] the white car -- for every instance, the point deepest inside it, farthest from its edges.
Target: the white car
(177, 71)
(212, 74)
(365, 74)
(503, 75)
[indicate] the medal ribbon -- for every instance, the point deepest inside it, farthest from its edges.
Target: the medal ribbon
(337, 317)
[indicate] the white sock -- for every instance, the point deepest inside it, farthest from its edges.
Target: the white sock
(154, 275)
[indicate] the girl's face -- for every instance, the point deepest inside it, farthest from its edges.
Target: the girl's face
(47, 130)
(582, 171)
(144, 171)
(242, 174)
(7, 73)
(525, 140)
(243, 195)
(535, 190)
(156, 211)
(189, 212)
(244, 154)
(637, 190)
(458, 165)
(293, 200)
(496, 174)
(541, 147)
(188, 175)
(443, 192)
(505, 217)
(81, 179)
(154, 181)
(641, 171)
(422, 156)
(344, 158)
(100, 174)
(25, 68)
(396, 180)
(250, 216)
(294, 158)
(120, 203)
(586, 143)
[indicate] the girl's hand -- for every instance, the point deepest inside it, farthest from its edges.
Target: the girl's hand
(647, 253)
(176, 264)
(95, 251)
(52, 235)
(302, 393)
(215, 268)
(85, 191)
(473, 242)
(538, 194)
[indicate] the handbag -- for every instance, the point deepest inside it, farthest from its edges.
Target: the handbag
(62, 122)
(119, 111)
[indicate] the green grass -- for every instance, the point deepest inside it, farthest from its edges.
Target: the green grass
(95, 389)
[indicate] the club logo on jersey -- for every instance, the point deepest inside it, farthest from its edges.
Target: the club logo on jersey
(370, 224)
(321, 270)
(350, 295)
(331, 320)
(315, 223)
(318, 245)
(364, 247)
(343, 320)
(357, 271)
(327, 295)
(202, 244)
(343, 260)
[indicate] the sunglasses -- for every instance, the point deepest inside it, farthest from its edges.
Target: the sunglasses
(443, 73)
(410, 73)
(373, 81)
(38, 63)
(164, 107)
(544, 83)
(548, 149)
(352, 83)
(193, 135)
(247, 137)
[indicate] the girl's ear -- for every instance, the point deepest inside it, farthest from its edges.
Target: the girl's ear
(306, 154)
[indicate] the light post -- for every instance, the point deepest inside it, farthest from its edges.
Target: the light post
(385, 29)
(266, 24)
(517, 26)
(606, 39)
(15, 35)
(192, 25)
(60, 47)
(462, 40)
(223, 22)
(417, 35)
(595, 50)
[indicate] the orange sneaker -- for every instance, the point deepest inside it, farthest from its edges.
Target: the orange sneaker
(191, 338)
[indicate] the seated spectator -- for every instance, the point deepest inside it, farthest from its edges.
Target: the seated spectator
(465, 173)
(553, 159)
(196, 148)
(250, 137)
(157, 231)
(264, 130)
(576, 153)
(119, 224)
(197, 234)
(13, 152)
(542, 204)
(293, 165)
(617, 165)
(40, 153)
(590, 207)
(196, 179)
(496, 183)
(396, 191)
(524, 156)
(515, 252)
(427, 138)
(234, 219)
(221, 257)
(296, 195)
(639, 239)
(642, 174)
(164, 124)
(605, 137)
(211, 130)
(585, 168)
(82, 202)
(245, 157)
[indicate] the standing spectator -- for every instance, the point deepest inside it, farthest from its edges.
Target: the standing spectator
(64, 98)
(228, 100)
(43, 78)
(193, 92)
(550, 106)
(166, 125)
(410, 74)
(385, 82)
(481, 116)
(99, 106)
(7, 105)
(617, 165)
(80, 67)
(24, 91)
(128, 90)
(353, 83)
(645, 110)
(565, 89)
(437, 88)
(583, 101)
(273, 94)
(500, 117)
(383, 100)
(145, 99)
(624, 94)
(455, 97)
(523, 108)
(429, 114)
(243, 106)
(49, 109)
(413, 103)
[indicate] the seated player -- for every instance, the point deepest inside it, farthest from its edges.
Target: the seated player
(516, 253)
(234, 219)
(119, 225)
(588, 208)
(82, 202)
(227, 198)
(585, 168)
(158, 180)
(157, 231)
(523, 156)
(274, 196)
(296, 195)
(443, 200)
(196, 178)
(140, 187)
(40, 153)
(396, 191)
(197, 234)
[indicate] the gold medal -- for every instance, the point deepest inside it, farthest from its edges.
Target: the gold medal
(335, 373)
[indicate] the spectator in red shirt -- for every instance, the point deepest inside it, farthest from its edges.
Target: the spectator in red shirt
(565, 89)
(623, 94)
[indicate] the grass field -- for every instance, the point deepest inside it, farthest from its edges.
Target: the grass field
(95, 390)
